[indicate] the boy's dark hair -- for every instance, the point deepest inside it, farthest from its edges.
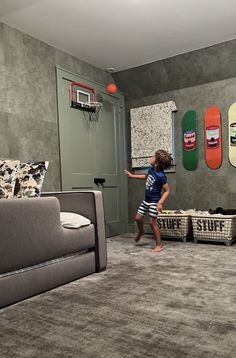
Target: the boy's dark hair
(163, 159)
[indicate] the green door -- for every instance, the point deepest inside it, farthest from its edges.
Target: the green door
(92, 153)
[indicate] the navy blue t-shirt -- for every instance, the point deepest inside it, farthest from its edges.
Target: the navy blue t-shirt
(154, 183)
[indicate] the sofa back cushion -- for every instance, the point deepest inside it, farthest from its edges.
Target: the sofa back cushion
(8, 172)
(31, 233)
(30, 179)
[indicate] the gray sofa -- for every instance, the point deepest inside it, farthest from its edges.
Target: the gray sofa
(38, 254)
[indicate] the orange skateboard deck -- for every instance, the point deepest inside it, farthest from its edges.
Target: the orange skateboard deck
(213, 141)
(232, 134)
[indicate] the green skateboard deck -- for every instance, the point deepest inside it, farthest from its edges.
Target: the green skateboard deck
(190, 140)
(232, 134)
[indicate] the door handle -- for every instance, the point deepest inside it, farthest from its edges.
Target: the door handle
(99, 181)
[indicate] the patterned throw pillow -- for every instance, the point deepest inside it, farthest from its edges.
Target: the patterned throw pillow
(8, 170)
(29, 179)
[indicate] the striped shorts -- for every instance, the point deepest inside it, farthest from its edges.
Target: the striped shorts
(150, 208)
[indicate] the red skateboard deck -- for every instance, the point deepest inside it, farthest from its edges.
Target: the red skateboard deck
(213, 141)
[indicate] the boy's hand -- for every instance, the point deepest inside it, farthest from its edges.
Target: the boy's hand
(159, 207)
(126, 172)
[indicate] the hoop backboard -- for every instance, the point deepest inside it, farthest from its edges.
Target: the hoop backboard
(81, 95)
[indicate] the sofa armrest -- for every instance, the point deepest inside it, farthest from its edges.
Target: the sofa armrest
(90, 205)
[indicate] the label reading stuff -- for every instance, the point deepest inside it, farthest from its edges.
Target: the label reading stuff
(210, 225)
(169, 223)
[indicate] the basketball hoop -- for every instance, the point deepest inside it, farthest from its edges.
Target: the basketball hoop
(93, 111)
(83, 97)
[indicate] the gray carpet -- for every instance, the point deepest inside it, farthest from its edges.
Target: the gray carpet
(175, 304)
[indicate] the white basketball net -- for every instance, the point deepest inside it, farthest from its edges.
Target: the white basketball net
(94, 114)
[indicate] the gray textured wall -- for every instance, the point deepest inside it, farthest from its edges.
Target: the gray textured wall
(187, 70)
(196, 81)
(28, 107)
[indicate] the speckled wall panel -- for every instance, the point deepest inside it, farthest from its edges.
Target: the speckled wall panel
(28, 103)
(151, 129)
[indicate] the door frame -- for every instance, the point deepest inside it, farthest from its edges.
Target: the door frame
(123, 144)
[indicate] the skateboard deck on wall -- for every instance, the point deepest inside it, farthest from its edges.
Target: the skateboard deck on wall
(232, 134)
(213, 141)
(190, 140)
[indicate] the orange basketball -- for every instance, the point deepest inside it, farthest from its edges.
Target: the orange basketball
(111, 88)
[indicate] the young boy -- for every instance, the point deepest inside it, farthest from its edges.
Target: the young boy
(156, 192)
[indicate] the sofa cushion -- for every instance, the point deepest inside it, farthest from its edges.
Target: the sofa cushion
(30, 179)
(73, 221)
(8, 170)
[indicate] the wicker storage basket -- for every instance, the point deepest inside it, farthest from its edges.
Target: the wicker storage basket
(175, 226)
(217, 228)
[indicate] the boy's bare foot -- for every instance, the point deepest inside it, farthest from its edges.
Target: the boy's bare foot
(158, 248)
(138, 236)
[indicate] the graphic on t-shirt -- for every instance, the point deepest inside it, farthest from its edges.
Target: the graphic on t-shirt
(149, 182)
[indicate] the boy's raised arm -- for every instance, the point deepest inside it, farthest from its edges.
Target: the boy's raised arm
(135, 176)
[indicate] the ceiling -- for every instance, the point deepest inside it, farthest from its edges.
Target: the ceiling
(122, 34)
